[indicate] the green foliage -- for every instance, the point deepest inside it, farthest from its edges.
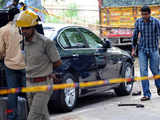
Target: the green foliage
(71, 11)
(52, 19)
(2, 3)
(97, 21)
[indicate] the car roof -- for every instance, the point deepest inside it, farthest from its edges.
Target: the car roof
(57, 27)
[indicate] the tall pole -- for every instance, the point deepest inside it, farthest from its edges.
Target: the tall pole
(99, 7)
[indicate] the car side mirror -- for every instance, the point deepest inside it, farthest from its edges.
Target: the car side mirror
(107, 44)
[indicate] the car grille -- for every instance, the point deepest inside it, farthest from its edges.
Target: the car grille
(114, 40)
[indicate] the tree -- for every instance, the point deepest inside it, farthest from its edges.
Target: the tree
(2, 3)
(71, 10)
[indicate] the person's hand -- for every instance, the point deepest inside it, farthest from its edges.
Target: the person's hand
(55, 79)
(133, 52)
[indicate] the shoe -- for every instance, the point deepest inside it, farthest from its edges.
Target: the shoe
(145, 98)
(136, 93)
(158, 91)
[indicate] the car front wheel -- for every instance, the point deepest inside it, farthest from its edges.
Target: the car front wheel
(66, 99)
(125, 88)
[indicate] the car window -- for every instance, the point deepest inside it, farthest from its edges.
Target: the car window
(63, 41)
(75, 38)
(91, 38)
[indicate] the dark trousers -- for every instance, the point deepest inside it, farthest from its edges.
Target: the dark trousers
(15, 79)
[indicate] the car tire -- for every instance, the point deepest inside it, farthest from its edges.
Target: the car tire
(66, 99)
(125, 88)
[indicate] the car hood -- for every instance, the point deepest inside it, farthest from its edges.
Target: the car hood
(117, 50)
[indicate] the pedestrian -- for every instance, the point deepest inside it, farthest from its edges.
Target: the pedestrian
(41, 58)
(149, 29)
(13, 59)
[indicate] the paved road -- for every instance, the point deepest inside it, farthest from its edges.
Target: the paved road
(104, 106)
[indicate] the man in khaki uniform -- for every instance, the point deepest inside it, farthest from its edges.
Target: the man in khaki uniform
(41, 57)
(13, 60)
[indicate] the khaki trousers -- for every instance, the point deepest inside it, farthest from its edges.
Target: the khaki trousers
(38, 101)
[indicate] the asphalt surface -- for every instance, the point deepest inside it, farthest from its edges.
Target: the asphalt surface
(104, 106)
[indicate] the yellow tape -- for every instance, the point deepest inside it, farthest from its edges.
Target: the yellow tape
(91, 84)
(35, 89)
(73, 85)
(62, 86)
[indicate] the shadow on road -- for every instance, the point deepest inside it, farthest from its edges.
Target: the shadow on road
(90, 100)
(94, 99)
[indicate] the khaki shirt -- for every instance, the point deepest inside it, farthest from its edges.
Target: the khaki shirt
(10, 47)
(40, 54)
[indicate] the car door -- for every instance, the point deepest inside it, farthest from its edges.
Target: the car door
(96, 45)
(112, 68)
(76, 50)
(106, 67)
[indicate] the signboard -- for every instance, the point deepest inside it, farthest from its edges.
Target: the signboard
(124, 17)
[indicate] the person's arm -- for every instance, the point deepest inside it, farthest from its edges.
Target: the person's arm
(57, 64)
(53, 54)
(54, 57)
(135, 38)
(2, 46)
(158, 27)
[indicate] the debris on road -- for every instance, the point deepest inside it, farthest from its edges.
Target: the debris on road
(137, 105)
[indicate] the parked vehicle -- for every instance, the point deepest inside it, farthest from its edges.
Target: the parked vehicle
(117, 19)
(87, 58)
